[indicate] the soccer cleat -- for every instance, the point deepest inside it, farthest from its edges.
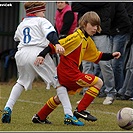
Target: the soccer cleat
(84, 114)
(69, 120)
(36, 119)
(6, 116)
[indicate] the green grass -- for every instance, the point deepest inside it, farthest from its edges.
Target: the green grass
(31, 101)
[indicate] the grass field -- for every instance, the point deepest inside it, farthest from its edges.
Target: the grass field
(31, 101)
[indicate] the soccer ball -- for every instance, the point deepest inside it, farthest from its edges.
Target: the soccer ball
(125, 118)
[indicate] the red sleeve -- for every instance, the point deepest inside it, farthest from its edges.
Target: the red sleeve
(100, 56)
(52, 48)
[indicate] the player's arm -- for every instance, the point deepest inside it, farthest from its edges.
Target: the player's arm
(109, 56)
(53, 38)
(40, 58)
(49, 49)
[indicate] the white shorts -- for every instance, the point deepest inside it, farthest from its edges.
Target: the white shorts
(27, 71)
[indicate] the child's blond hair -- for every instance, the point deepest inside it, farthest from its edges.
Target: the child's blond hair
(89, 17)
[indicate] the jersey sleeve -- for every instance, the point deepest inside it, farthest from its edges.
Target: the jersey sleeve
(46, 27)
(70, 43)
(92, 54)
(52, 48)
(16, 38)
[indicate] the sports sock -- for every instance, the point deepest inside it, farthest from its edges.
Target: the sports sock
(50, 105)
(88, 97)
(14, 95)
(64, 99)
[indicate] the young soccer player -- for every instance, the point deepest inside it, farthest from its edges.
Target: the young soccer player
(78, 46)
(34, 33)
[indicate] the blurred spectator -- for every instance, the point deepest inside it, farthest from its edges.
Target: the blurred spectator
(65, 19)
(63, 25)
(120, 36)
(126, 92)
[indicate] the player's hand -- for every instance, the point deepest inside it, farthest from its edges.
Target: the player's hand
(59, 49)
(39, 60)
(116, 55)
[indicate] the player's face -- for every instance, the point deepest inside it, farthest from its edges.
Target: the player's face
(91, 29)
(40, 14)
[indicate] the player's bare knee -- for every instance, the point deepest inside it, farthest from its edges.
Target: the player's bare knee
(99, 83)
(56, 99)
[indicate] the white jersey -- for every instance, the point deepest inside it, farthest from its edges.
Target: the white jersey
(32, 33)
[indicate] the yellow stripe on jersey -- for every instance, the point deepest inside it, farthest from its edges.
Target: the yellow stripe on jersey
(51, 103)
(71, 42)
(94, 81)
(82, 83)
(72, 92)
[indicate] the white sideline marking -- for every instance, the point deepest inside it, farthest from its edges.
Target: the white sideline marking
(25, 101)
(103, 112)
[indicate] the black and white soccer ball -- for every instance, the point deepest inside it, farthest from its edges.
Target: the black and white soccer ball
(125, 118)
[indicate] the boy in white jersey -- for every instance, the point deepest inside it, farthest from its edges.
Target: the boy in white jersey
(34, 33)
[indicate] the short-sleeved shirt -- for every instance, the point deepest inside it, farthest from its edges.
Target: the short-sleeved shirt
(33, 31)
